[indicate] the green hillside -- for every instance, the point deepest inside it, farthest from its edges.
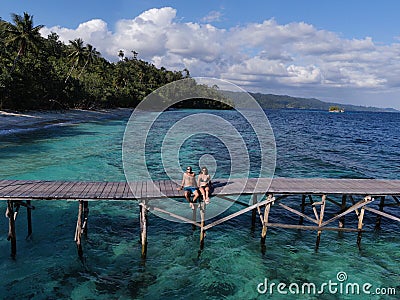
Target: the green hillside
(269, 101)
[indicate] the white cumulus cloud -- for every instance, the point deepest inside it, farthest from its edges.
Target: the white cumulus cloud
(264, 56)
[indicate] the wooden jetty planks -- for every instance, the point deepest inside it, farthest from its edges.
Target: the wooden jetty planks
(106, 191)
(19, 189)
(229, 186)
(90, 191)
(284, 187)
(65, 189)
(28, 189)
(100, 188)
(113, 191)
(119, 193)
(58, 190)
(75, 190)
(171, 189)
(39, 189)
(128, 192)
(51, 192)
(6, 183)
(168, 189)
(162, 189)
(151, 190)
(136, 189)
(83, 191)
(12, 186)
(174, 189)
(334, 186)
(143, 191)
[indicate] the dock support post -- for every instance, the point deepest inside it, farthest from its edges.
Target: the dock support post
(85, 217)
(78, 230)
(253, 213)
(359, 227)
(202, 231)
(194, 212)
(378, 217)
(143, 228)
(29, 218)
(321, 217)
(11, 228)
(342, 209)
(303, 204)
(265, 220)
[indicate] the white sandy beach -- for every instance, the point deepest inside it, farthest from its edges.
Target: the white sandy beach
(18, 121)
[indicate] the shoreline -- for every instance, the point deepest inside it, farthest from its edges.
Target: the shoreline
(13, 121)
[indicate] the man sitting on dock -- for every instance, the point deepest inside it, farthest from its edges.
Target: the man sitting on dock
(189, 185)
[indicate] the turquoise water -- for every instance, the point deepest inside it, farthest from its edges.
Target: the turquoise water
(232, 265)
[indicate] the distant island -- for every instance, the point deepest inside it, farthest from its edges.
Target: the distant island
(270, 101)
(336, 109)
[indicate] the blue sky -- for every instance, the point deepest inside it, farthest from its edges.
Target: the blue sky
(342, 51)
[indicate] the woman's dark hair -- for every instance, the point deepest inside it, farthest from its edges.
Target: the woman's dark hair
(204, 170)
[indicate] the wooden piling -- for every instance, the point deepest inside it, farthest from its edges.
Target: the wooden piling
(320, 219)
(78, 230)
(303, 204)
(11, 228)
(29, 218)
(17, 206)
(265, 219)
(194, 212)
(313, 207)
(359, 227)
(202, 231)
(253, 213)
(379, 217)
(85, 217)
(342, 209)
(143, 228)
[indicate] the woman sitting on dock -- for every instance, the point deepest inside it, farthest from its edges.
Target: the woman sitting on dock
(204, 184)
(189, 186)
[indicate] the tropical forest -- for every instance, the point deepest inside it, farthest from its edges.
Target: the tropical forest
(44, 73)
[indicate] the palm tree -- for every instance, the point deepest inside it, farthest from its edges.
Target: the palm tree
(91, 55)
(121, 54)
(76, 55)
(22, 34)
(187, 74)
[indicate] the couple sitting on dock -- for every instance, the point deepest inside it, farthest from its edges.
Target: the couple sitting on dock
(190, 186)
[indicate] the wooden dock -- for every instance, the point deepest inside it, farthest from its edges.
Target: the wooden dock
(263, 191)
